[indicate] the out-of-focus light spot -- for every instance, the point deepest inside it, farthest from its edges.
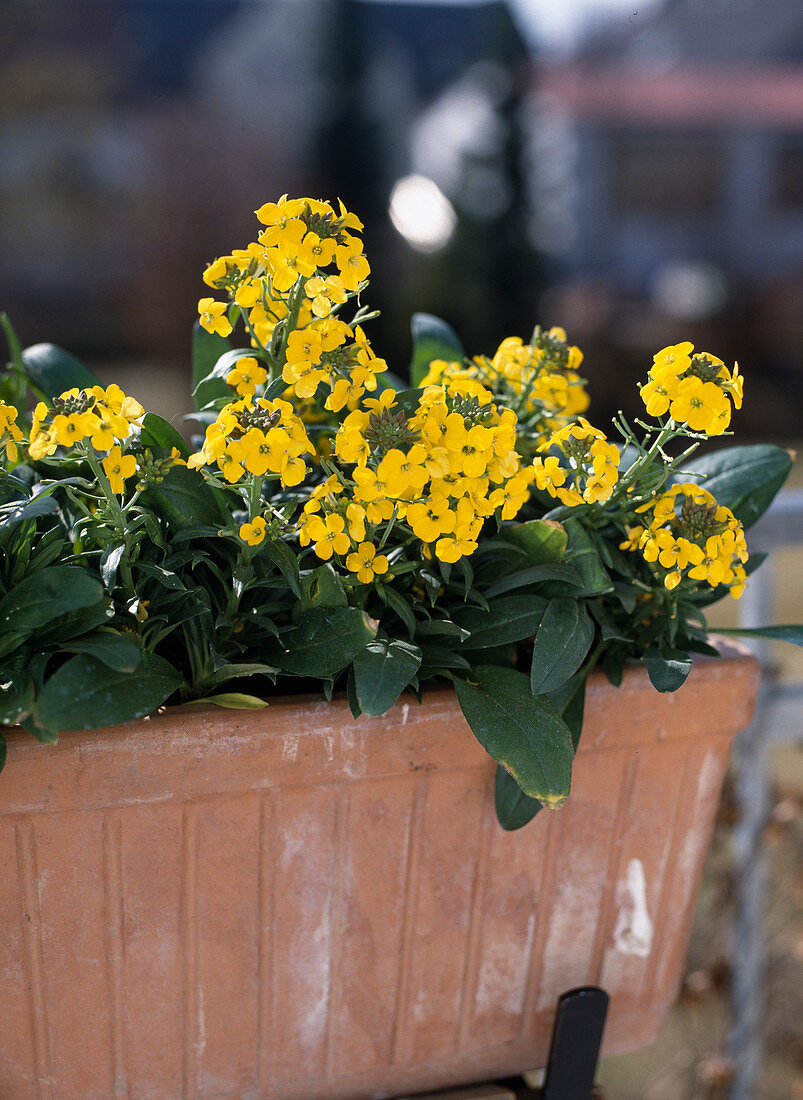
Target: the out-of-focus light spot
(422, 214)
(689, 290)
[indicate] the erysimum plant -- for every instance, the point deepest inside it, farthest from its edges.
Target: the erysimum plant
(335, 528)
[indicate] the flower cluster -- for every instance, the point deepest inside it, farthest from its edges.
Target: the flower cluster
(100, 415)
(693, 388)
(288, 285)
(10, 433)
(591, 468)
(436, 475)
(687, 534)
(385, 476)
(256, 436)
(539, 381)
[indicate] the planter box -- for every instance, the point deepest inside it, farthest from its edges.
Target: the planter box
(294, 904)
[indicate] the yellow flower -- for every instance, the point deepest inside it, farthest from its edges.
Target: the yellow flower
(549, 474)
(289, 260)
(253, 533)
(513, 495)
(655, 397)
(403, 473)
(453, 548)
(329, 535)
(213, 316)
(633, 539)
(246, 376)
(355, 518)
(320, 249)
(277, 214)
(674, 360)
(248, 293)
(118, 467)
(734, 386)
(216, 272)
(366, 563)
(71, 428)
(701, 405)
(432, 518)
(10, 433)
(353, 266)
(304, 346)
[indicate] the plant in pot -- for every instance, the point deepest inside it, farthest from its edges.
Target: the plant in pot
(334, 545)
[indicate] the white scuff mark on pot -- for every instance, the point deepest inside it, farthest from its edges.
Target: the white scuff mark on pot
(311, 956)
(698, 831)
(633, 932)
(41, 884)
(290, 746)
(405, 713)
(500, 987)
(201, 1020)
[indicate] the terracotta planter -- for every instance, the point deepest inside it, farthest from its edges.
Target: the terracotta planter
(294, 904)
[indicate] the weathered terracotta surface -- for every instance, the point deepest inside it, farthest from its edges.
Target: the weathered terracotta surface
(293, 904)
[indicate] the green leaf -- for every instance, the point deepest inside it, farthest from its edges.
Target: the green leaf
(10, 642)
(109, 563)
(236, 671)
(668, 668)
(325, 640)
(561, 644)
(75, 623)
(114, 650)
(286, 562)
(48, 595)
(744, 479)
(508, 619)
(521, 731)
(42, 733)
(207, 348)
(18, 510)
(157, 432)
(235, 700)
(184, 499)
(435, 657)
(569, 701)
(351, 694)
(165, 577)
(53, 370)
(790, 632)
(514, 808)
(542, 540)
(432, 339)
(536, 574)
(274, 390)
(214, 387)
(85, 694)
(583, 554)
(322, 588)
(382, 670)
(442, 628)
(16, 696)
(407, 400)
(14, 345)
(396, 602)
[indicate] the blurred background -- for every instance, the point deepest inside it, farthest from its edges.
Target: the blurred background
(629, 169)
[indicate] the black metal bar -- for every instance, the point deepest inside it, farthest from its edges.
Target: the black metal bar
(576, 1042)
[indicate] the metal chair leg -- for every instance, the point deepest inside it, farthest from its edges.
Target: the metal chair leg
(576, 1042)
